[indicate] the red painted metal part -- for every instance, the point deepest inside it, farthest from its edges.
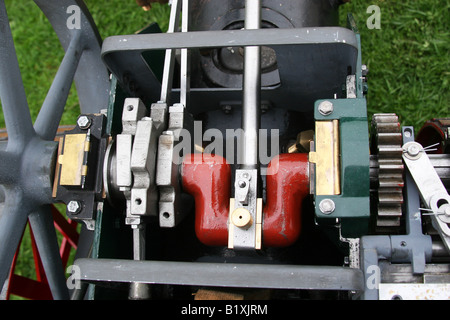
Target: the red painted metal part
(433, 132)
(208, 179)
(286, 189)
(39, 289)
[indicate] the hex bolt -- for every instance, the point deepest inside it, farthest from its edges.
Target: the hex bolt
(84, 122)
(327, 206)
(325, 108)
(74, 207)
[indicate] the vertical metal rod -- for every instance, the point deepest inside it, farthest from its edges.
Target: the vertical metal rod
(185, 79)
(139, 242)
(169, 61)
(251, 89)
(138, 290)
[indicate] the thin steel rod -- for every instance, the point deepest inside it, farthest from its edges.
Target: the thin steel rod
(139, 242)
(12, 92)
(169, 61)
(52, 109)
(185, 78)
(251, 89)
(41, 222)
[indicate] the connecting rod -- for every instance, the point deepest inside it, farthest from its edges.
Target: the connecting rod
(251, 89)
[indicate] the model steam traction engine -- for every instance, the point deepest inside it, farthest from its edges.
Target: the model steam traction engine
(234, 151)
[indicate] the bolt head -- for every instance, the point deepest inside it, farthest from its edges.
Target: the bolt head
(242, 184)
(327, 206)
(83, 122)
(413, 150)
(447, 211)
(227, 109)
(74, 207)
(325, 108)
(364, 70)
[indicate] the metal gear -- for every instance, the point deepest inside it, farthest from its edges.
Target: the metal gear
(387, 145)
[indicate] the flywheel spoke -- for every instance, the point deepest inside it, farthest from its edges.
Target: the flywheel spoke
(12, 223)
(51, 112)
(12, 92)
(41, 222)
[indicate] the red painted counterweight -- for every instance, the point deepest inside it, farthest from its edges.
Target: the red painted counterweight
(208, 179)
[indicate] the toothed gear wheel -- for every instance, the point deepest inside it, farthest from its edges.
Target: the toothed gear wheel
(387, 145)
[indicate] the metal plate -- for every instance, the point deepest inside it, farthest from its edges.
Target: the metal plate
(414, 291)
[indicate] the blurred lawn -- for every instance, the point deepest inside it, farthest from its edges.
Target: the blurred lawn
(408, 58)
(40, 53)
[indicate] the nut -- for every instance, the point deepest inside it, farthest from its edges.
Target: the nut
(327, 206)
(84, 122)
(325, 108)
(74, 207)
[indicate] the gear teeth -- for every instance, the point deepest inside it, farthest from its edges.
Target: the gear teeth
(388, 146)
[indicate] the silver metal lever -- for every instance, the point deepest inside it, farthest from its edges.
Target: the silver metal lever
(431, 189)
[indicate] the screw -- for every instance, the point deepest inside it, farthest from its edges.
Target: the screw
(327, 206)
(407, 133)
(74, 207)
(325, 108)
(83, 122)
(364, 70)
(227, 109)
(241, 184)
(264, 108)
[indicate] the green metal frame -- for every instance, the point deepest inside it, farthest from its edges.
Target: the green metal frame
(353, 203)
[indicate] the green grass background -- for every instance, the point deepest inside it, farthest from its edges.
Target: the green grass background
(408, 58)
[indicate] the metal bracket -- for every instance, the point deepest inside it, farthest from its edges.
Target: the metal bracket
(136, 159)
(245, 220)
(168, 161)
(345, 198)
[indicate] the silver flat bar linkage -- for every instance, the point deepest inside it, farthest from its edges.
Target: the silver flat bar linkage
(432, 190)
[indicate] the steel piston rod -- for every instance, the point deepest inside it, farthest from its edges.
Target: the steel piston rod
(251, 89)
